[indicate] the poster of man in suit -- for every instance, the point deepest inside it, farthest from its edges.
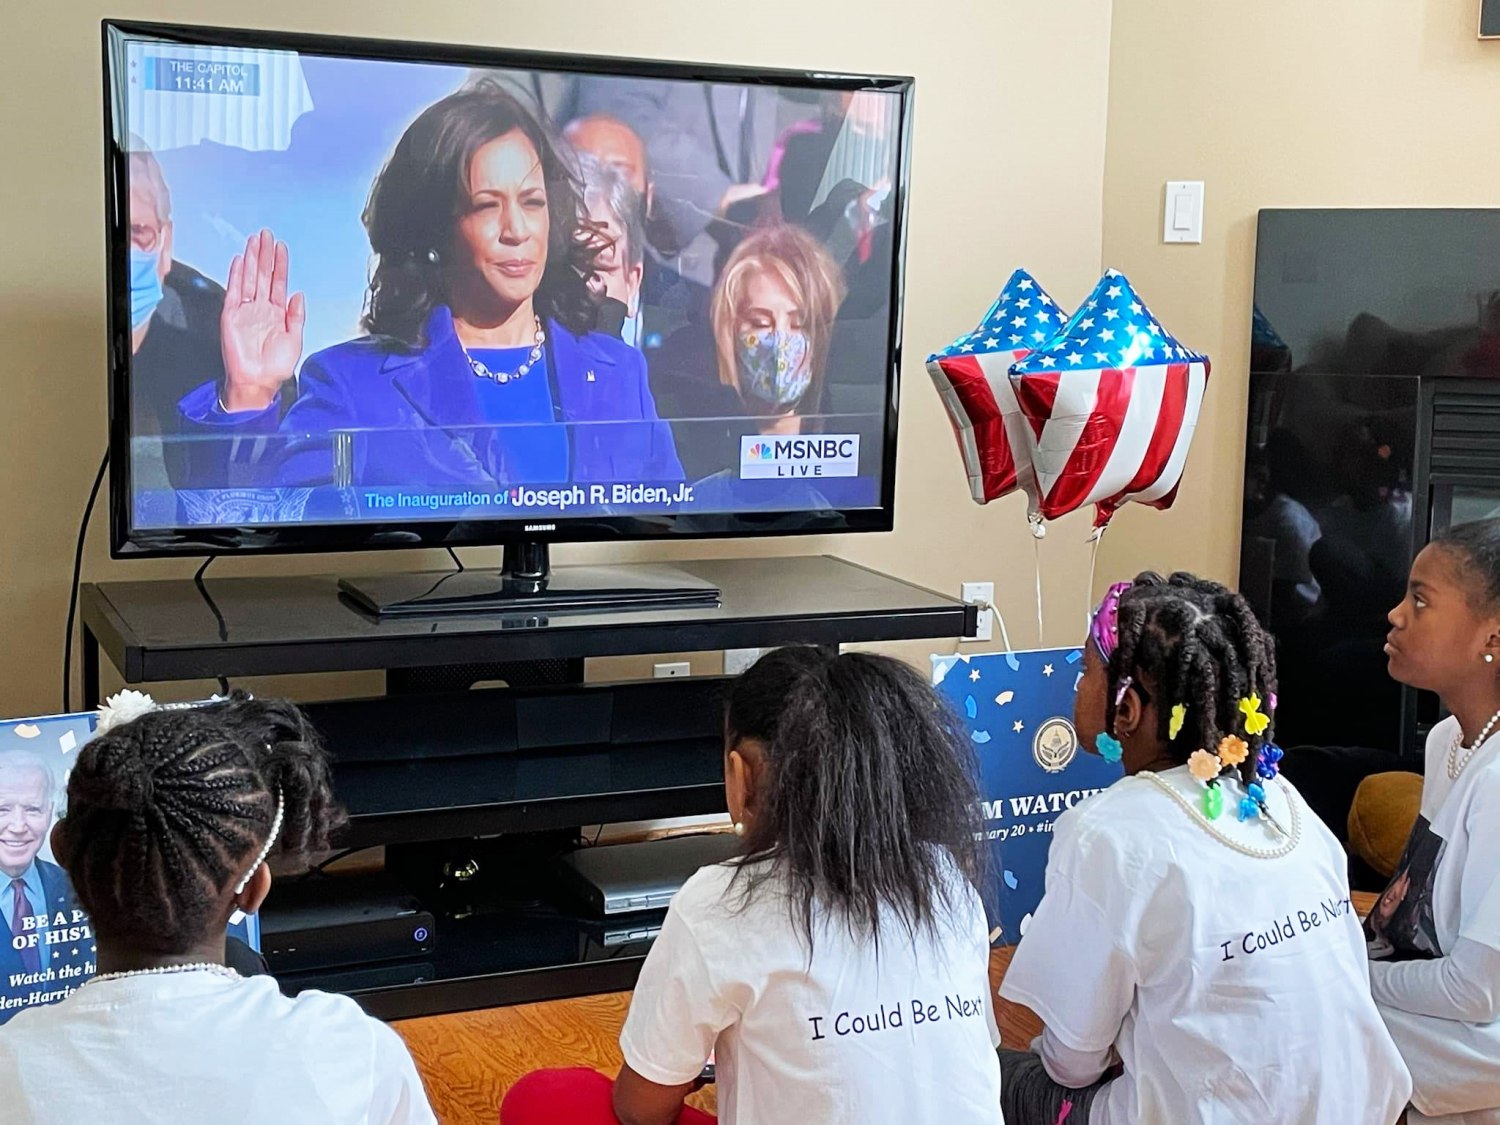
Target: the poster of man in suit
(47, 949)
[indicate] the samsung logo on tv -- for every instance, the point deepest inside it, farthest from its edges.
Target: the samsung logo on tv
(768, 457)
(540, 527)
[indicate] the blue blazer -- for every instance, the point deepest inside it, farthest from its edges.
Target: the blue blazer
(415, 418)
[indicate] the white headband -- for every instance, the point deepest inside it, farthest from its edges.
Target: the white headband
(270, 843)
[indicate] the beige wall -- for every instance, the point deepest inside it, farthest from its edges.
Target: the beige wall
(1008, 170)
(1279, 103)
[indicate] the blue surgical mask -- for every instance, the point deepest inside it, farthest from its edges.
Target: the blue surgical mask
(773, 366)
(145, 286)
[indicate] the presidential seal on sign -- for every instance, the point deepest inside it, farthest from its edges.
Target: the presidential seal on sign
(1055, 744)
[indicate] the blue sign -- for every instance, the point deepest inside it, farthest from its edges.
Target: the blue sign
(1018, 708)
(47, 944)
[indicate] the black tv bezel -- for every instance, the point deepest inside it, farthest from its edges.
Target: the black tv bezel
(128, 541)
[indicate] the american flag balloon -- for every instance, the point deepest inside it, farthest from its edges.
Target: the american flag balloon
(1111, 403)
(972, 376)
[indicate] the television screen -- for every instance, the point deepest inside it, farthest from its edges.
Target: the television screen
(368, 292)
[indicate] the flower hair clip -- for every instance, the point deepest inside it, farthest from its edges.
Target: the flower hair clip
(121, 708)
(1208, 767)
(129, 705)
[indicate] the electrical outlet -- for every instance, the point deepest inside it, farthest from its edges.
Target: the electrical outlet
(981, 594)
(738, 660)
(673, 670)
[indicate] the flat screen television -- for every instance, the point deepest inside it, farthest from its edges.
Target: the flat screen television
(372, 294)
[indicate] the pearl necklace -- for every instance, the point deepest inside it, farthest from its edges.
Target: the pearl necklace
(1284, 848)
(503, 377)
(1455, 763)
(163, 970)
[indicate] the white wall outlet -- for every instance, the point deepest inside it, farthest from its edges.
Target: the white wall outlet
(673, 670)
(981, 594)
(739, 660)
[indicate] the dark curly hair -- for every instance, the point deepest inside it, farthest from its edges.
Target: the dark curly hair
(870, 797)
(1198, 644)
(166, 813)
(1476, 548)
(418, 196)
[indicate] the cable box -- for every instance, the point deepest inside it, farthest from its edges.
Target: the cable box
(629, 878)
(321, 923)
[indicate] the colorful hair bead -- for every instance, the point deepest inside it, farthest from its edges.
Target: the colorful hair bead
(1109, 747)
(1174, 725)
(1256, 721)
(1267, 764)
(1213, 802)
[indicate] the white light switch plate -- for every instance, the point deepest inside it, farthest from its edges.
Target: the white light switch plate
(1182, 220)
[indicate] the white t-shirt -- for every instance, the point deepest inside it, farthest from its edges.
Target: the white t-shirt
(200, 1047)
(1234, 988)
(908, 1035)
(1446, 897)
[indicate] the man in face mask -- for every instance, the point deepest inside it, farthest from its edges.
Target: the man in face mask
(174, 320)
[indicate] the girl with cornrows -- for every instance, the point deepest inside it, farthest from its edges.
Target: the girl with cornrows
(1195, 957)
(170, 820)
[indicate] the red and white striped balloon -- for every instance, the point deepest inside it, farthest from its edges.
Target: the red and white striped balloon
(1111, 404)
(972, 376)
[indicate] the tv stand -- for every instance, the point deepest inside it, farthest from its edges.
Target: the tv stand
(469, 790)
(526, 583)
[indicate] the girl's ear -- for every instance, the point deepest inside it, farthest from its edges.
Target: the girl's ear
(1128, 715)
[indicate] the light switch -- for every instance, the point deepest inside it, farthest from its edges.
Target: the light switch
(1183, 220)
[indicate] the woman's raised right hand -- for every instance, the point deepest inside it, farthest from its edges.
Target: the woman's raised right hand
(260, 329)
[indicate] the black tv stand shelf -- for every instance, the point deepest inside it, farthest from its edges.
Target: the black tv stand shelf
(433, 773)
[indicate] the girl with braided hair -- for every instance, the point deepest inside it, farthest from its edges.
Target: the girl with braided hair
(1195, 957)
(171, 818)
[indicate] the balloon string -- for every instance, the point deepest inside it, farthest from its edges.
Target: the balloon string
(1089, 593)
(1041, 635)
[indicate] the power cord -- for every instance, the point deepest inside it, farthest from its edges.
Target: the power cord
(83, 528)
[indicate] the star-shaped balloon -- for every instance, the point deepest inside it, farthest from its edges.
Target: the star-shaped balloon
(1111, 402)
(972, 376)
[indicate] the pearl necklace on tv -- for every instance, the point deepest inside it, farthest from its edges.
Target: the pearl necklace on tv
(164, 970)
(503, 377)
(1289, 840)
(1455, 763)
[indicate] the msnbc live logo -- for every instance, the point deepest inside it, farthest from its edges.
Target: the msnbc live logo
(770, 457)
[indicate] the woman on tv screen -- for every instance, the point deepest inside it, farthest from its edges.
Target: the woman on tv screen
(480, 331)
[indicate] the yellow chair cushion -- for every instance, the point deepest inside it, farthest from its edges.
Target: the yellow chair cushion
(1380, 819)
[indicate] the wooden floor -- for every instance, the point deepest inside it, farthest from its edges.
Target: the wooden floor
(469, 1059)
